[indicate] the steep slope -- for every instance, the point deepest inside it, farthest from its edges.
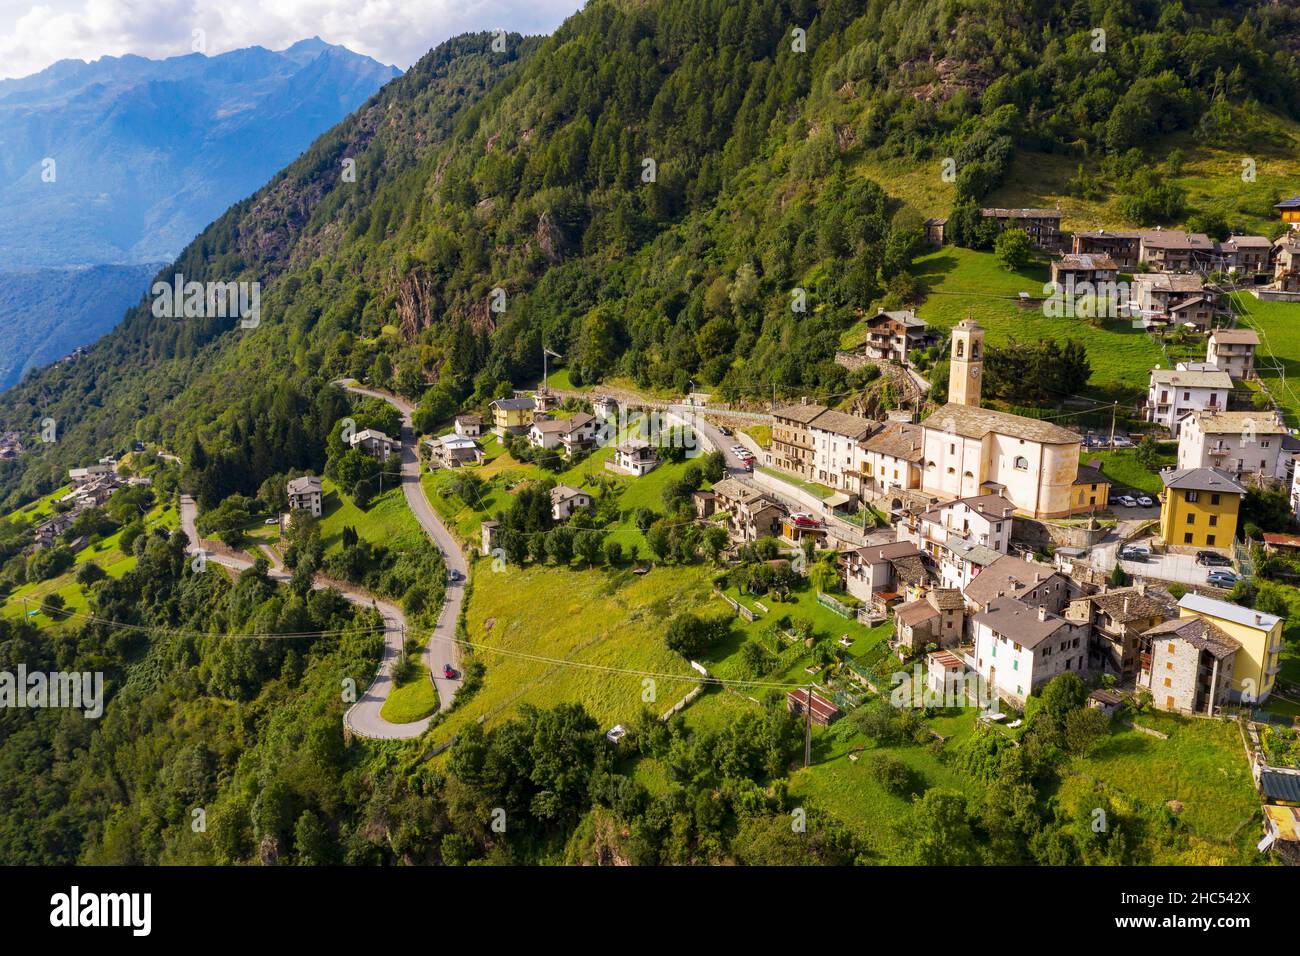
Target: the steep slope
(670, 191)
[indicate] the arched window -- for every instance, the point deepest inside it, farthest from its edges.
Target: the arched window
(974, 350)
(961, 348)
(1021, 462)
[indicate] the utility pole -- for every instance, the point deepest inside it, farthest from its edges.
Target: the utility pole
(807, 728)
(1113, 409)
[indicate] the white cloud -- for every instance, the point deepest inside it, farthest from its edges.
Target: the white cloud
(35, 34)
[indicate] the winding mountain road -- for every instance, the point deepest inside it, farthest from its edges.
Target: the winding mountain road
(442, 650)
(364, 718)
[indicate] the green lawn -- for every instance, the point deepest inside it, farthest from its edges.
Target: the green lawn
(848, 791)
(106, 553)
(963, 282)
(593, 617)
(1202, 765)
(812, 487)
(386, 519)
(760, 433)
(413, 699)
(34, 511)
(1277, 360)
(1125, 471)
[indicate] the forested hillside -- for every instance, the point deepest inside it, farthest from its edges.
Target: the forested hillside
(657, 189)
(525, 170)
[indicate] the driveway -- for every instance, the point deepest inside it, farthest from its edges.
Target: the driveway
(1181, 568)
(442, 648)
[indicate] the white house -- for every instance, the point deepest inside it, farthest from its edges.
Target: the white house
(835, 436)
(633, 457)
(565, 500)
(452, 451)
(567, 434)
(1020, 647)
(606, 408)
(1174, 392)
(373, 442)
(962, 537)
(1239, 443)
(469, 426)
(305, 495)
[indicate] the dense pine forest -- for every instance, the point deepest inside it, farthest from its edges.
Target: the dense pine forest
(650, 188)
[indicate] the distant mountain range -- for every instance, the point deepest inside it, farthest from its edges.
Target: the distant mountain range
(108, 169)
(145, 153)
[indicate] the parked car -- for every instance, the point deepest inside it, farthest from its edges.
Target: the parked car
(724, 430)
(1145, 501)
(453, 575)
(271, 520)
(1121, 442)
(1212, 559)
(1135, 552)
(448, 671)
(1127, 501)
(804, 520)
(1221, 579)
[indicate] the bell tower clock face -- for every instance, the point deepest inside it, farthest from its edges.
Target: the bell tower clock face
(975, 372)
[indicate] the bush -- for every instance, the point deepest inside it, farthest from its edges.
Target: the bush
(892, 774)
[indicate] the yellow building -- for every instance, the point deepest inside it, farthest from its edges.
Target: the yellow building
(512, 415)
(1290, 211)
(1198, 509)
(1260, 636)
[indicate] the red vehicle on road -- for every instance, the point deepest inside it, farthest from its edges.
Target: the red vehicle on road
(448, 671)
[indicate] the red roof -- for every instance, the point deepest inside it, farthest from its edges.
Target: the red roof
(821, 707)
(1282, 540)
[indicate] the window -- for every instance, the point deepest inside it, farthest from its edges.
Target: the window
(1191, 519)
(1192, 496)
(1169, 665)
(1021, 462)
(1214, 521)
(1171, 648)
(1214, 499)
(1169, 682)
(1209, 540)
(961, 348)
(952, 449)
(1187, 538)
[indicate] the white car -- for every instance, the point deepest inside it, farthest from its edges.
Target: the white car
(1127, 501)
(1145, 502)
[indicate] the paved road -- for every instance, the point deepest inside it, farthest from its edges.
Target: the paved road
(363, 716)
(442, 649)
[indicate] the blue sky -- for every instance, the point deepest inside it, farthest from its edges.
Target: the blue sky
(36, 33)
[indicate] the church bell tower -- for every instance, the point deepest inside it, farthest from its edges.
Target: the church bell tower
(966, 363)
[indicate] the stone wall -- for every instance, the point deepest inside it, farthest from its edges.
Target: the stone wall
(1037, 533)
